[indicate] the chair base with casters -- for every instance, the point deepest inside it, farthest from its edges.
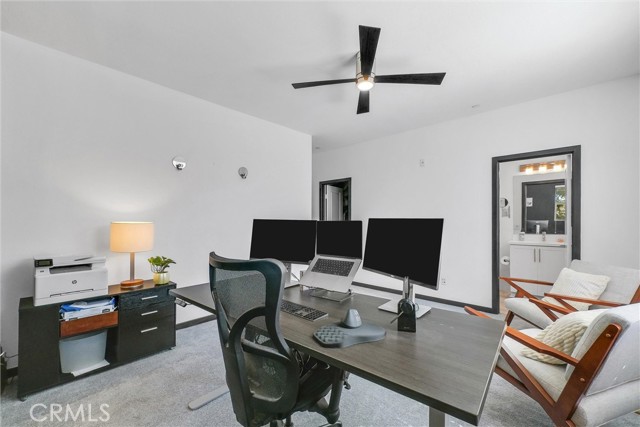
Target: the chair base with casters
(601, 380)
(266, 379)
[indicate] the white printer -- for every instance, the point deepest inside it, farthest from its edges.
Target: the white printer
(66, 278)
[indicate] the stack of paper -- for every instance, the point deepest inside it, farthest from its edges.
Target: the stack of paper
(81, 309)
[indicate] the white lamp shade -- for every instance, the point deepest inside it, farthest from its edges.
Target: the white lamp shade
(131, 236)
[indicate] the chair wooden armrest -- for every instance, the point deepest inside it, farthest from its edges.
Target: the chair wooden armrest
(549, 306)
(528, 341)
(548, 309)
(539, 346)
(520, 292)
(586, 300)
(535, 282)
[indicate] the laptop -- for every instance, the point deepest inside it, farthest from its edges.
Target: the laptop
(338, 256)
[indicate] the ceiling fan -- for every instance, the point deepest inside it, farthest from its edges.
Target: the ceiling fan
(365, 73)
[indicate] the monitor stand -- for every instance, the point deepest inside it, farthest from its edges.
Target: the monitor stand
(407, 293)
(287, 277)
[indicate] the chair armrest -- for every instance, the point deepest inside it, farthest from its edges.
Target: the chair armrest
(535, 282)
(548, 306)
(520, 292)
(586, 300)
(538, 346)
(529, 341)
(475, 312)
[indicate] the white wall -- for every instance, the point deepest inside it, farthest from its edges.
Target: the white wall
(84, 145)
(456, 182)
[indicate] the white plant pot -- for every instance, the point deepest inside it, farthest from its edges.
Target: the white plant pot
(161, 278)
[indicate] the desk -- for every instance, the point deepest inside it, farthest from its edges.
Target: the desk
(447, 364)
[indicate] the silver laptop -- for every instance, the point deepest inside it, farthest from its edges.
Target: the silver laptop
(331, 273)
(338, 256)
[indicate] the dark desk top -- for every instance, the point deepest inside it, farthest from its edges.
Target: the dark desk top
(447, 364)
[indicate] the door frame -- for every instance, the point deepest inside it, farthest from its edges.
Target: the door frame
(321, 204)
(575, 152)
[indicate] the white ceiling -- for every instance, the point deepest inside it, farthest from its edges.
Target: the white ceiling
(245, 55)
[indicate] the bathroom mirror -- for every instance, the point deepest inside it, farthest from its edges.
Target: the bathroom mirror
(544, 207)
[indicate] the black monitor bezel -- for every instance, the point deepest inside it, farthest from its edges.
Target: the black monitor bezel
(395, 276)
(285, 261)
(318, 225)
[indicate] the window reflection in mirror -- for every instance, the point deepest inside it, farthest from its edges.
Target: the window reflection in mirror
(544, 207)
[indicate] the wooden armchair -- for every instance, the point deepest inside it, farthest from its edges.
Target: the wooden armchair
(601, 380)
(623, 288)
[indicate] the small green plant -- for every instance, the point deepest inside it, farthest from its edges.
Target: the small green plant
(159, 264)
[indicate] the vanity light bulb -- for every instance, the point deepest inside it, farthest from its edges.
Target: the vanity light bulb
(542, 168)
(557, 167)
(529, 170)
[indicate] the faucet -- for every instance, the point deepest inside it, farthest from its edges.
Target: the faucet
(544, 236)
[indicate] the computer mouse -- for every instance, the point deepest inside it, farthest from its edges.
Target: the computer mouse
(352, 319)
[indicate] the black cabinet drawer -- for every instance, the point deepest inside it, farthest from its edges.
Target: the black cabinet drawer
(148, 313)
(143, 299)
(146, 338)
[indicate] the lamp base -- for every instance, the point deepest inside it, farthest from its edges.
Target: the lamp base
(131, 284)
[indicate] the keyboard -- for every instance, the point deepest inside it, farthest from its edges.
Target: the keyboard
(302, 311)
(338, 337)
(332, 266)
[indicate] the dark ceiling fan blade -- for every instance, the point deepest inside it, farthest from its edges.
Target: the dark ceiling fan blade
(415, 79)
(368, 44)
(321, 83)
(363, 102)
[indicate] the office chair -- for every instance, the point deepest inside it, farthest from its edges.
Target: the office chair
(266, 380)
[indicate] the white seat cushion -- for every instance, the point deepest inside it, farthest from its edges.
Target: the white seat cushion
(578, 284)
(527, 310)
(550, 377)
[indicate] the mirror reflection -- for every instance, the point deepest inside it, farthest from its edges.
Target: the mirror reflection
(544, 207)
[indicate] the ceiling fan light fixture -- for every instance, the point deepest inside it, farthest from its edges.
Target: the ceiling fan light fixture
(365, 82)
(366, 76)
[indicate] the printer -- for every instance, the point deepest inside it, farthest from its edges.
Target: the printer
(65, 278)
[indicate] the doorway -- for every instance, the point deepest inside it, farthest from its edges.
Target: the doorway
(530, 172)
(335, 200)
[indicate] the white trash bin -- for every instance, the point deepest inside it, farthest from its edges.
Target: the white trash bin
(83, 353)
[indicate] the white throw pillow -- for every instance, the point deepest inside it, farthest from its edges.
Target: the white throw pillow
(577, 284)
(563, 335)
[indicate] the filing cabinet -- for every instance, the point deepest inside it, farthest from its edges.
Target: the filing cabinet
(146, 323)
(143, 324)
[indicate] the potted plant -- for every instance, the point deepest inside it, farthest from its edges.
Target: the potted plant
(159, 266)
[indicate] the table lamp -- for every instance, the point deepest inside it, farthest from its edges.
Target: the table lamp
(131, 237)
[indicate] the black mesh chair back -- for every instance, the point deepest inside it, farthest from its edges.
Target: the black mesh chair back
(262, 372)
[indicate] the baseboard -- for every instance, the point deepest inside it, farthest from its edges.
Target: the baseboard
(195, 322)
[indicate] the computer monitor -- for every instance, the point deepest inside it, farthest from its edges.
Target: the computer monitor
(287, 240)
(405, 248)
(290, 241)
(531, 225)
(339, 238)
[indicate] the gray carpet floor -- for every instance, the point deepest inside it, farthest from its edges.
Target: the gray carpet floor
(155, 392)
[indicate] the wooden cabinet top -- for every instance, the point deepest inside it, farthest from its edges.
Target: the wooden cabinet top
(146, 285)
(114, 290)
